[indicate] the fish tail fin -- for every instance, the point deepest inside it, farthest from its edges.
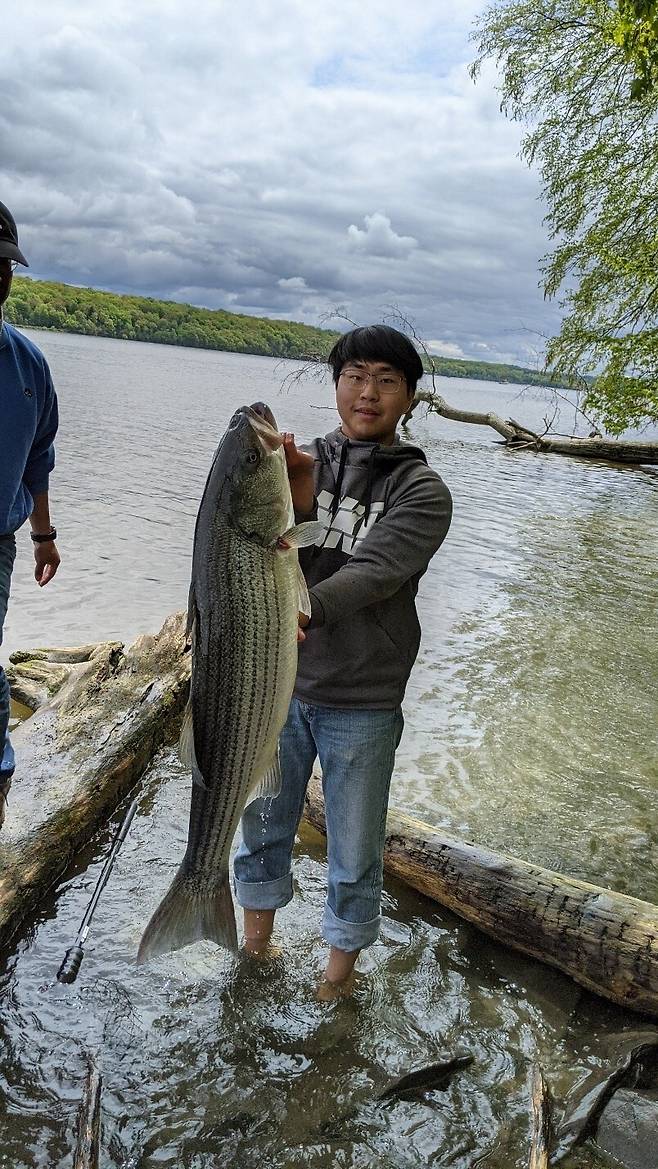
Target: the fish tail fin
(189, 914)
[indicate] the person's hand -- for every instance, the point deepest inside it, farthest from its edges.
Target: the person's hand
(302, 622)
(46, 562)
(300, 474)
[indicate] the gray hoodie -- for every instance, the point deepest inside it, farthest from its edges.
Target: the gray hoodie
(385, 514)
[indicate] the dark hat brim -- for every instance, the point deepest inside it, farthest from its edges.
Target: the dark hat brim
(11, 251)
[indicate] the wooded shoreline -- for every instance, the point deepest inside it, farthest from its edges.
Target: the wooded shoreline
(42, 304)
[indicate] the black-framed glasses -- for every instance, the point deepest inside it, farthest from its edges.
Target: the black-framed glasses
(357, 379)
(11, 264)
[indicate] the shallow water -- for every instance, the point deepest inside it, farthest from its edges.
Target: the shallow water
(530, 727)
(209, 1062)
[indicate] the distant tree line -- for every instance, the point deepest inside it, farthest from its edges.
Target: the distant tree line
(66, 308)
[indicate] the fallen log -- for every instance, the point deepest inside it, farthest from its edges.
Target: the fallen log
(101, 714)
(605, 941)
(519, 437)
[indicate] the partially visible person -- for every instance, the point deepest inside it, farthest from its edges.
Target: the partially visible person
(28, 424)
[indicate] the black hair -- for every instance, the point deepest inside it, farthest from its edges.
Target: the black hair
(377, 343)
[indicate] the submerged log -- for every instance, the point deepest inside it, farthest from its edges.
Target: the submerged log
(89, 1121)
(102, 712)
(540, 1107)
(605, 941)
(634, 1059)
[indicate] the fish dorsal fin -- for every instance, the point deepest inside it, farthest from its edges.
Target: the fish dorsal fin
(267, 786)
(303, 535)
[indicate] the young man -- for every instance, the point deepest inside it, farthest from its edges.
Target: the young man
(385, 513)
(28, 408)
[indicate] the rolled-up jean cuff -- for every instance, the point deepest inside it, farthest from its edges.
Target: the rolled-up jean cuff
(349, 935)
(264, 894)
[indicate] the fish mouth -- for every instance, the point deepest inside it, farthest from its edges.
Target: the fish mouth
(263, 423)
(263, 411)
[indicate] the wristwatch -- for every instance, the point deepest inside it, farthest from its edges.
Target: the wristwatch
(43, 537)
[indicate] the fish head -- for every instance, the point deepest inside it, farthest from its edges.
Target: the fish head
(258, 502)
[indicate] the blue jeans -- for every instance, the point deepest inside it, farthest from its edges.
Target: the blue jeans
(356, 749)
(7, 554)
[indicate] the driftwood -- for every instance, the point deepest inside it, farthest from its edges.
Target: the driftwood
(89, 1121)
(605, 941)
(540, 1104)
(101, 713)
(520, 437)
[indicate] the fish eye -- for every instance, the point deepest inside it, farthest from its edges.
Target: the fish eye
(251, 456)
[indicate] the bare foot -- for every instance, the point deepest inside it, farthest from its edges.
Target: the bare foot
(329, 992)
(266, 953)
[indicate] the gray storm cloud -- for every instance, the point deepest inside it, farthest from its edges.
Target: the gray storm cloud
(280, 161)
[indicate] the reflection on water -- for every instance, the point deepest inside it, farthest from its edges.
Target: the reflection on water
(551, 752)
(530, 726)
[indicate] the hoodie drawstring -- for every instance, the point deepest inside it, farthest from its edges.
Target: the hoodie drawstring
(371, 474)
(335, 503)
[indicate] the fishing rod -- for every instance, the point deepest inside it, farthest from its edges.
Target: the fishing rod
(68, 971)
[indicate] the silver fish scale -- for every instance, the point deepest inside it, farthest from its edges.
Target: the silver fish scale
(243, 675)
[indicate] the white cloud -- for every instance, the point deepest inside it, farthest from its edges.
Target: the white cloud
(156, 147)
(379, 239)
(445, 348)
(295, 284)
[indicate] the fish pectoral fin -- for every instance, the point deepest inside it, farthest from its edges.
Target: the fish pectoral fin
(303, 600)
(186, 751)
(303, 535)
(267, 786)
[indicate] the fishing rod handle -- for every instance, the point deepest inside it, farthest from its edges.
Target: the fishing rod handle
(68, 971)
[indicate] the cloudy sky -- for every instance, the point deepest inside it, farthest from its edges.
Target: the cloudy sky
(285, 159)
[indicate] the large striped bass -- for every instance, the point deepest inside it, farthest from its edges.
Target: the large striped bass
(245, 595)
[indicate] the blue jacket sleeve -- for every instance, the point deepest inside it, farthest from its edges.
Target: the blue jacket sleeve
(41, 458)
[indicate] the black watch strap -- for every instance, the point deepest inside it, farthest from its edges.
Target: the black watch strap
(45, 537)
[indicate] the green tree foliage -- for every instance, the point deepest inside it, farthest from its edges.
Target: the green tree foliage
(635, 30)
(45, 305)
(565, 73)
(67, 308)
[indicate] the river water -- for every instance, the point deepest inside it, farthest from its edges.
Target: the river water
(530, 727)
